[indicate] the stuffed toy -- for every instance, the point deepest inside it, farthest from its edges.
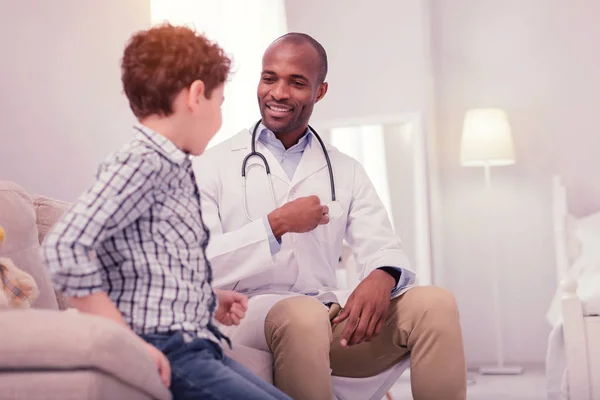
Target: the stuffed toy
(17, 288)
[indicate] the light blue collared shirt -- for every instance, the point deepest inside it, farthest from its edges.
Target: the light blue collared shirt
(289, 160)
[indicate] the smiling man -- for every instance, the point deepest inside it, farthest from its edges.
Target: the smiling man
(284, 255)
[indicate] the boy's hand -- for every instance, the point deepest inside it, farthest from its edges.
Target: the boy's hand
(232, 307)
(162, 363)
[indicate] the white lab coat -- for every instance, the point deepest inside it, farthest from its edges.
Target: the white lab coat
(239, 249)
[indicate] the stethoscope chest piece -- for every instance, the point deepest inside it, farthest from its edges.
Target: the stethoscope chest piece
(335, 209)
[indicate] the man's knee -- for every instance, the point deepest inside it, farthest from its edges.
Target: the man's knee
(433, 303)
(300, 318)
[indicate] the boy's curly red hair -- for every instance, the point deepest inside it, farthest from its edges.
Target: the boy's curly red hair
(160, 62)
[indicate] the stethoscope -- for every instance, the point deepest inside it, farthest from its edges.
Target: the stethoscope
(335, 208)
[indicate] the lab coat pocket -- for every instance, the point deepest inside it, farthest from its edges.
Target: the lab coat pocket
(321, 234)
(331, 232)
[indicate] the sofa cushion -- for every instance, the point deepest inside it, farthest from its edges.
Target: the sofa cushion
(258, 361)
(69, 340)
(21, 244)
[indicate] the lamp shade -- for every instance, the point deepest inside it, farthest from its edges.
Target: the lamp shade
(486, 139)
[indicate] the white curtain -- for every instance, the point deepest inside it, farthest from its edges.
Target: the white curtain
(366, 144)
(243, 29)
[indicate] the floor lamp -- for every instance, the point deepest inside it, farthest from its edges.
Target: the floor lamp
(487, 142)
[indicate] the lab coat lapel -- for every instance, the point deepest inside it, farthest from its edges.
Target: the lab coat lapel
(242, 144)
(312, 161)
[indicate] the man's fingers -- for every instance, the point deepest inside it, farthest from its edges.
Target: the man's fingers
(370, 333)
(325, 210)
(341, 317)
(313, 199)
(363, 324)
(378, 328)
(351, 324)
(324, 219)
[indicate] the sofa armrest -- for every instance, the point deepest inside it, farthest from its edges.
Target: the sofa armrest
(69, 340)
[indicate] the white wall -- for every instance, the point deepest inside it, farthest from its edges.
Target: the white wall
(574, 116)
(536, 59)
(62, 108)
(244, 29)
(377, 54)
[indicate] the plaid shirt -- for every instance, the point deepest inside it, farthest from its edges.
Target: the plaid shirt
(137, 234)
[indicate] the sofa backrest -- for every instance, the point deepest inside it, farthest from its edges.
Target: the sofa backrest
(47, 211)
(20, 221)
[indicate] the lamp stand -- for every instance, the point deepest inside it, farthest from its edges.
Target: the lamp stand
(499, 368)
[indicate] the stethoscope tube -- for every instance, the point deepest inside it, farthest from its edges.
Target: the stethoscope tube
(254, 153)
(326, 154)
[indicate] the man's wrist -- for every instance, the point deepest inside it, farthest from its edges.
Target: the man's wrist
(384, 277)
(278, 225)
(394, 272)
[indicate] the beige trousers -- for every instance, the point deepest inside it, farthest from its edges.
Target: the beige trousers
(423, 323)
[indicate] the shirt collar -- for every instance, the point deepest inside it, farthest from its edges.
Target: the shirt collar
(266, 135)
(160, 144)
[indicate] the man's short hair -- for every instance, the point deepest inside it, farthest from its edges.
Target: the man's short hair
(160, 62)
(301, 38)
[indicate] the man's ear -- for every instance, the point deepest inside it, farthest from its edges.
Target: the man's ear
(196, 93)
(321, 91)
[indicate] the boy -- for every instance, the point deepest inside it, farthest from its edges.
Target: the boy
(132, 248)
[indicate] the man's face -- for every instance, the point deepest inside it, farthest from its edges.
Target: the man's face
(289, 86)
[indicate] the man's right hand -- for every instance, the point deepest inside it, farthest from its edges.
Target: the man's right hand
(300, 215)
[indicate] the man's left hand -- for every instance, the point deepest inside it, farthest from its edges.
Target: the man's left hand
(232, 307)
(366, 309)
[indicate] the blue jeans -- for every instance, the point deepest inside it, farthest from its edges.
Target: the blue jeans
(200, 370)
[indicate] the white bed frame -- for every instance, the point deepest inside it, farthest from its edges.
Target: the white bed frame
(581, 332)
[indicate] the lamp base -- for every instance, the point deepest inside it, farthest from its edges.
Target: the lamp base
(501, 370)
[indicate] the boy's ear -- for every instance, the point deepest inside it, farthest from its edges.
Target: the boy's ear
(196, 93)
